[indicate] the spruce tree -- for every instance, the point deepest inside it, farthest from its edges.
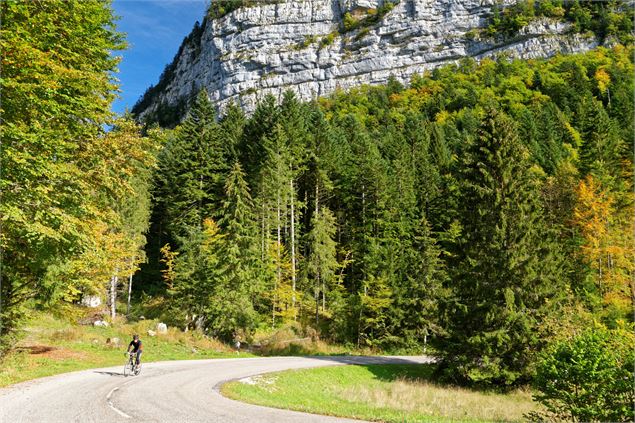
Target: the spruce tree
(506, 271)
(322, 260)
(234, 303)
(198, 276)
(191, 170)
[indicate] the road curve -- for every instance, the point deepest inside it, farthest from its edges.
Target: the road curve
(170, 391)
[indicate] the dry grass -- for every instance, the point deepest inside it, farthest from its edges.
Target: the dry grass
(429, 399)
(394, 393)
(67, 334)
(293, 339)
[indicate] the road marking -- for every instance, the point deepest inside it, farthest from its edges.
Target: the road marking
(121, 413)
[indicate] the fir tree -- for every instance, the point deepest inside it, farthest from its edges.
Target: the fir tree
(322, 260)
(506, 270)
(234, 303)
(192, 170)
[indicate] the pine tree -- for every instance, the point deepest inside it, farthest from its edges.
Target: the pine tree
(506, 270)
(234, 303)
(191, 170)
(601, 144)
(417, 297)
(196, 276)
(232, 126)
(322, 260)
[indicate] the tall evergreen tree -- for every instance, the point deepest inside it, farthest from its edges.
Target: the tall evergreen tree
(198, 276)
(192, 170)
(233, 309)
(506, 269)
(322, 260)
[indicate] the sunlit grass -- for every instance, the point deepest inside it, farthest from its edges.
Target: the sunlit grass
(391, 393)
(51, 346)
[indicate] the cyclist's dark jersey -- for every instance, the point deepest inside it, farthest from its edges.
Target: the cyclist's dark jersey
(135, 345)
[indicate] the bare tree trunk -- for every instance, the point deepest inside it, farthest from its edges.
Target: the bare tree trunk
(363, 205)
(600, 275)
(114, 280)
(130, 286)
(293, 251)
(262, 229)
(263, 210)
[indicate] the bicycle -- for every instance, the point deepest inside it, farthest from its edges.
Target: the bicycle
(131, 368)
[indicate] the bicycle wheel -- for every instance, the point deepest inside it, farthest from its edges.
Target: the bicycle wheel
(127, 369)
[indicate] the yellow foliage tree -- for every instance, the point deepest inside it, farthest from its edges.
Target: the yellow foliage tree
(607, 246)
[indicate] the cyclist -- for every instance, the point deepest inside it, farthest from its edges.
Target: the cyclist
(137, 347)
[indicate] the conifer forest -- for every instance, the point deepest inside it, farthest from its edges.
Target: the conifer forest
(484, 210)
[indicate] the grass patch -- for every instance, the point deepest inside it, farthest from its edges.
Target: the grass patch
(52, 346)
(390, 393)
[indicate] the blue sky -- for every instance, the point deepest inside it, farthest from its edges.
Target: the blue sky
(155, 29)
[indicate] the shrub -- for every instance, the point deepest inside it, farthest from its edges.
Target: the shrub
(349, 22)
(589, 377)
(327, 40)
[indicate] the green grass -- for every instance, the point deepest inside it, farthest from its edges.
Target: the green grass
(390, 393)
(52, 346)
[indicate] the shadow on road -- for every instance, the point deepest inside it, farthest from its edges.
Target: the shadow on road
(366, 360)
(111, 374)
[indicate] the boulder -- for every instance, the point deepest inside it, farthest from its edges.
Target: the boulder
(113, 341)
(151, 332)
(91, 301)
(100, 323)
(162, 328)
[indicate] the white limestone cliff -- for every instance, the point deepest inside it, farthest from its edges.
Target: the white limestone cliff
(270, 48)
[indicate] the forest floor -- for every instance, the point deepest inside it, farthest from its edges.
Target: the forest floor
(387, 393)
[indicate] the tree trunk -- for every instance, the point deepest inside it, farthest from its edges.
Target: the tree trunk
(293, 252)
(114, 280)
(130, 288)
(359, 319)
(363, 205)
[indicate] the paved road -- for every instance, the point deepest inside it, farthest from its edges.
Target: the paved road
(176, 391)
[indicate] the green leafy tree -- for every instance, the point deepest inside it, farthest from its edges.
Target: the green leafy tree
(56, 229)
(588, 378)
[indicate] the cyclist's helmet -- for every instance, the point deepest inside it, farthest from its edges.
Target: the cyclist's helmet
(135, 336)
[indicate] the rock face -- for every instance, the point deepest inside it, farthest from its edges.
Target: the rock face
(303, 46)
